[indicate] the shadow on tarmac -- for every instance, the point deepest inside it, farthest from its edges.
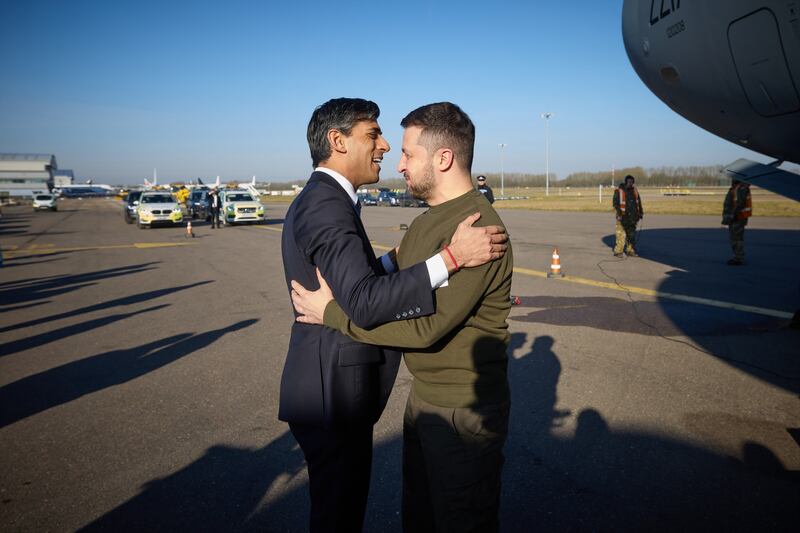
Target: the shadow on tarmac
(20, 291)
(700, 254)
(221, 491)
(13, 230)
(42, 253)
(126, 300)
(56, 335)
(760, 345)
(16, 262)
(640, 317)
(57, 386)
(24, 306)
(602, 479)
(597, 479)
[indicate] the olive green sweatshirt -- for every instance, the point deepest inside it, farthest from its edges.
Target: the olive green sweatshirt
(457, 355)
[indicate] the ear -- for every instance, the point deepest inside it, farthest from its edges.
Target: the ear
(336, 140)
(444, 159)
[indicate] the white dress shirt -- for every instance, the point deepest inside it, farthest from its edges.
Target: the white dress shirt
(437, 270)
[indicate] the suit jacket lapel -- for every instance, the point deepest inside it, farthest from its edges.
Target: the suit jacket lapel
(323, 177)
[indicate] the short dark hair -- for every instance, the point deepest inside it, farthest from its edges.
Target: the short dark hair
(444, 125)
(336, 114)
(629, 177)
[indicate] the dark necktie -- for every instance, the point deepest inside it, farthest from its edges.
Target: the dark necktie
(357, 207)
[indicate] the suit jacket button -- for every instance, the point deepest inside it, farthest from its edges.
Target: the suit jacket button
(410, 312)
(418, 309)
(405, 314)
(397, 316)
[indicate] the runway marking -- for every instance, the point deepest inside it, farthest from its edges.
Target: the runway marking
(658, 294)
(46, 251)
(160, 244)
(627, 288)
(279, 230)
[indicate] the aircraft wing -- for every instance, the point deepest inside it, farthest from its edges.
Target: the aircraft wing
(765, 176)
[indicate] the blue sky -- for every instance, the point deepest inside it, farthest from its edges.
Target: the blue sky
(200, 89)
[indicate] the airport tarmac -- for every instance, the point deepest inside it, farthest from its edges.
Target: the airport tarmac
(139, 376)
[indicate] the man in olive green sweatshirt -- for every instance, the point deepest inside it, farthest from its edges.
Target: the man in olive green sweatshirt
(456, 419)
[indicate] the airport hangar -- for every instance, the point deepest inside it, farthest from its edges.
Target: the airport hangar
(23, 174)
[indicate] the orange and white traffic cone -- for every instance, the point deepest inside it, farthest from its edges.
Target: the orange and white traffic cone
(555, 266)
(189, 232)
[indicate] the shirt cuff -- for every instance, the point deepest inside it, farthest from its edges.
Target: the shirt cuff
(388, 264)
(437, 271)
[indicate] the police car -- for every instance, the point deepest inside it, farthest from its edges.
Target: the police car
(158, 208)
(239, 206)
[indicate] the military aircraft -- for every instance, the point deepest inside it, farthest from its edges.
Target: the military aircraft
(733, 68)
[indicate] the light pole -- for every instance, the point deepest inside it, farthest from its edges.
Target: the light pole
(547, 116)
(502, 174)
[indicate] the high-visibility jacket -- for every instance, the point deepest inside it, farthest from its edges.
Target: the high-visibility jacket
(747, 210)
(739, 202)
(621, 199)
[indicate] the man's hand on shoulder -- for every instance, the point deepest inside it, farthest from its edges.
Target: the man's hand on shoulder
(474, 246)
(310, 305)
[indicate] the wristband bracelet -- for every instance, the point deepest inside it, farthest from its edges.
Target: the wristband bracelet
(452, 257)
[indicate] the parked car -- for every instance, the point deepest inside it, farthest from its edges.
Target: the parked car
(44, 202)
(406, 199)
(197, 204)
(367, 199)
(239, 206)
(131, 204)
(388, 198)
(158, 208)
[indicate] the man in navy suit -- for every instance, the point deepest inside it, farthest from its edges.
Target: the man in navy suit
(334, 389)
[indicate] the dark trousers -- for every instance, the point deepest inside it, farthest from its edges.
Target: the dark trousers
(215, 218)
(339, 465)
(736, 235)
(452, 465)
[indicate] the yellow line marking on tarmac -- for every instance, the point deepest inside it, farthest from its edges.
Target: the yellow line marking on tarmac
(659, 294)
(140, 245)
(633, 290)
(279, 230)
(160, 244)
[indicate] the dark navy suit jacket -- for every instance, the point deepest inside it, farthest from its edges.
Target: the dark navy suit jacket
(330, 380)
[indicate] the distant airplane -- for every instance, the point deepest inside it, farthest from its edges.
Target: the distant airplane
(249, 187)
(154, 184)
(732, 68)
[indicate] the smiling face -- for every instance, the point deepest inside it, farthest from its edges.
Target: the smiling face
(365, 148)
(416, 165)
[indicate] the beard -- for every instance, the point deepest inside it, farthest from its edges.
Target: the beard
(422, 186)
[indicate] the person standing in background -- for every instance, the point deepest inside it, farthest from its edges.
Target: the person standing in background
(628, 206)
(485, 189)
(214, 206)
(736, 209)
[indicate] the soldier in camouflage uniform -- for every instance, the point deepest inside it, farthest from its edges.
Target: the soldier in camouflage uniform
(628, 206)
(736, 210)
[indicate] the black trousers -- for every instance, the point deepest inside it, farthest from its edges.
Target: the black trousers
(339, 467)
(452, 467)
(214, 218)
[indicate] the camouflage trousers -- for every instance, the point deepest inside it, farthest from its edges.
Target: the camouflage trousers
(626, 236)
(736, 234)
